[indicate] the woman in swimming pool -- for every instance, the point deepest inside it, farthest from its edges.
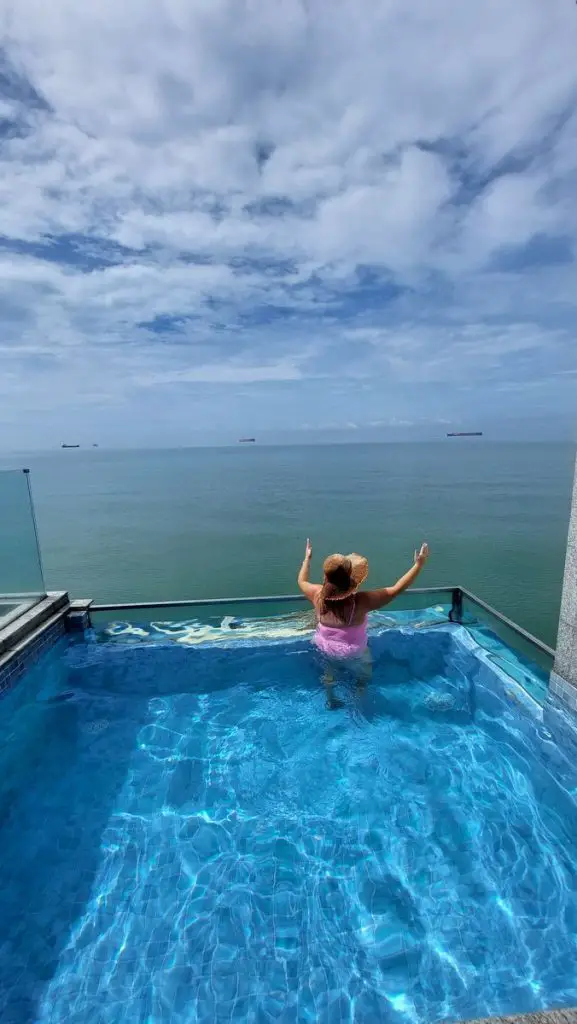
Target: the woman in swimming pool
(342, 610)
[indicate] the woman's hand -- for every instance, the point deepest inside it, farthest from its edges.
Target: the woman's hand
(422, 555)
(310, 590)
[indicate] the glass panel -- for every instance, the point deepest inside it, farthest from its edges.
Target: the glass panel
(413, 600)
(209, 614)
(21, 581)
(438, 601)
(513, 653)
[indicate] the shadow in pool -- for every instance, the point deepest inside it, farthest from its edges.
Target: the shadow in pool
(420, 677)
(58, 790)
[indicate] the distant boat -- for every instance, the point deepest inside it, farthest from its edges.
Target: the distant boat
(247, 440)
(70, 446)
(466, 433)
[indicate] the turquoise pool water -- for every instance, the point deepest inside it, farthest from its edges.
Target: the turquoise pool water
(190, 834)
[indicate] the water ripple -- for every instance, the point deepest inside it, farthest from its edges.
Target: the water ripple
(215, 844)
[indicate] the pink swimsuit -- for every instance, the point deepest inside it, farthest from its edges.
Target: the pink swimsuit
(344, 641)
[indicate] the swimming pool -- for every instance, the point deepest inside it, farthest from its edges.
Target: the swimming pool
(190, 834)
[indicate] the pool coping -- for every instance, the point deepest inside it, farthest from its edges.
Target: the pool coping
(27, 637)
(14, 632)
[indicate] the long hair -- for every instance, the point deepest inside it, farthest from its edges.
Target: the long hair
(340, 609)
(338, 582)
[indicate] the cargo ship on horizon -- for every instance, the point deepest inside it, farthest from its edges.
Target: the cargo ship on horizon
(466, 433)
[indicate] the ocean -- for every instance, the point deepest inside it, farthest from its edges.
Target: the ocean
(232, 522)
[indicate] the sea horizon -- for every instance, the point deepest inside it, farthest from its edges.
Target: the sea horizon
(10, 453)
(167, 524)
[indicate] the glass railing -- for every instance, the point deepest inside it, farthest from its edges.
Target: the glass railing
(490, 623)
(215, 610)
(522, 656)
(281, 616)
(21, 579)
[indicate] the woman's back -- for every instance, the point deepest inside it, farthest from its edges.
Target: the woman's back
(340, 608)
(342, 614)
(342, 628)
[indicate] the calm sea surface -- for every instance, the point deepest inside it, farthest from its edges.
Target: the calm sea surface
(212, 522)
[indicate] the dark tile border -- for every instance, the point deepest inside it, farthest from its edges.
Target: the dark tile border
(78, 617)
(14, 664)
(31, 635)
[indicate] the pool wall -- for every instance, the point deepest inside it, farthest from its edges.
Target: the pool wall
(23, 641)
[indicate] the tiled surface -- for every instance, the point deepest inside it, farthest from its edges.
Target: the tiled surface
(548, 1017)
(168, 771)
(77, 621)
(14, 665)
(563, 690)
(198, 837)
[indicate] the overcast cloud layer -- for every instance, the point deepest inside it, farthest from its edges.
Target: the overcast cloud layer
(221, 216)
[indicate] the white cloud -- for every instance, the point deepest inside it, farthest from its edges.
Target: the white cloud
(353, 176)
(510, 212)
(390, 223)
(231, 373)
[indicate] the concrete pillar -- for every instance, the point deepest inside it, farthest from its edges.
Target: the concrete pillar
(566, 659)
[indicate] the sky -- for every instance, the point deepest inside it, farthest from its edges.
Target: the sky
(343, 218)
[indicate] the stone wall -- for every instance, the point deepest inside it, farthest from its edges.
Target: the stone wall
(566, 658)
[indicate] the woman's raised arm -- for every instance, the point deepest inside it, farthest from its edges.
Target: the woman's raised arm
(379, 598)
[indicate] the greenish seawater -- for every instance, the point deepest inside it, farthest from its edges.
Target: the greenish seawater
(158, 525)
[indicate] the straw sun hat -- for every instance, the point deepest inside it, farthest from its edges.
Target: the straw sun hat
(344, 574)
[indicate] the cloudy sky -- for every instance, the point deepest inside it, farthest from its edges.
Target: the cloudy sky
(224, 216)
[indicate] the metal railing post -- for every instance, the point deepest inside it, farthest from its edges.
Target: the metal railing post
(456, 613)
